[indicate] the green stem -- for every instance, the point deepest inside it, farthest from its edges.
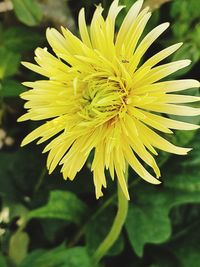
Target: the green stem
(109, 201)
(116, 227)
(40, 180)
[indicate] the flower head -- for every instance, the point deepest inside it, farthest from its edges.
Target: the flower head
(99, 96)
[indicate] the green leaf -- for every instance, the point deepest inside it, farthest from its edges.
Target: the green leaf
(2, 261)
(62, 205)
(192, 160)
(18, 246)
(53, 228)
(184, 10)
(188, 51)
(164, 258)
(195, 34)
(9, 63)
(17, 180)
(179, 29)
(27, 11)
(11, 88)
(98, 228)
(183, 138)
(18, 39)
(185, 14)
(148, 217)
(59, 257)
(147, 223)
(187, 248)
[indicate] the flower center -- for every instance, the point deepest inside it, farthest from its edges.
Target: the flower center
(102, 100)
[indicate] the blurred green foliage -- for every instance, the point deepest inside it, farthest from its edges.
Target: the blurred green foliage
(47, 222)
(27, 11)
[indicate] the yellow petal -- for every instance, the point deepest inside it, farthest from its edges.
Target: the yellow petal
(168, 86)
(57, 41)
(146, 43)
(173, 109)
(160, 142)
(128, 21)
(83, 28)
(178, 99)
(137, 166)
(133, 35)
(169, 123)
(155, 124)
(36, 68)
(161, 55)
(110, 20)
(122, 182)
(162, 71)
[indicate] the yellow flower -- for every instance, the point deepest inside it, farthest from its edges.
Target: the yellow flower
(99, 97)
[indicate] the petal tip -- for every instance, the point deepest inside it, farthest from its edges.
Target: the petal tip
(22, 144)
(24, 63)
(20, 119)
(166, 24)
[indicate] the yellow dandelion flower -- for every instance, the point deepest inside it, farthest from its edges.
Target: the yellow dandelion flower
(98, 96)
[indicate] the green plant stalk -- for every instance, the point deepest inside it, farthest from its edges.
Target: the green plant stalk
(116, 227)
(109, 201)
(40, 180)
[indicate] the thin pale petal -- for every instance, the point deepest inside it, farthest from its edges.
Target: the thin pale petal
(137, 166)
(167, 86)
(180, 99)
(36, 68)
(161, 72)
(169, 123)
(128, 21)
(146, 43)
(83, 28)
(173, 109)
(161, 143)
(162, 55)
